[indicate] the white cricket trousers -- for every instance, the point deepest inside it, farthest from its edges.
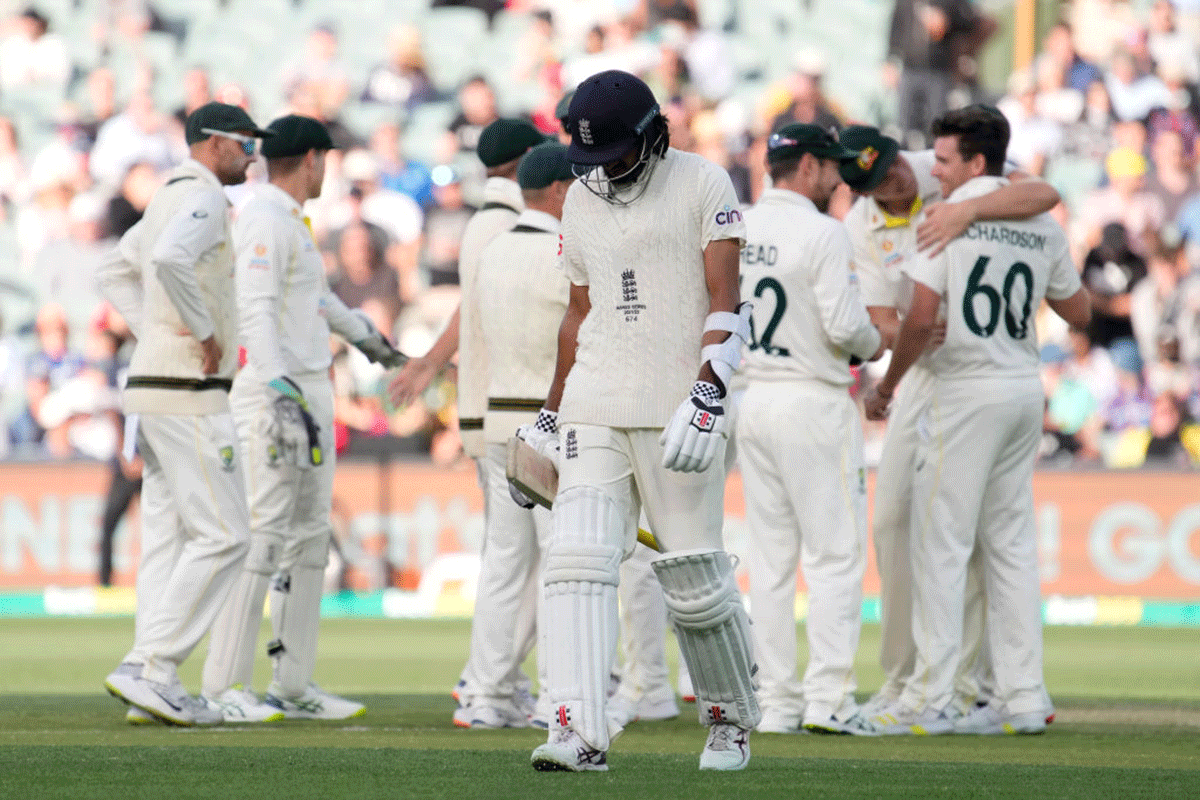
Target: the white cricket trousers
(515, 540)
(195, 530)
(974, 488)
(891, 536)
(289, 530)
(800, 450)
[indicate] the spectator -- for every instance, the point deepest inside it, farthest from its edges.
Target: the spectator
(1070, 424)
(1034, 137)
(1173, 179)
(1155, 301)
(362, 274)
(126, 207)
(1091, 136)
(928, 40)
(1059, 48)
(1056, 100)
(807, 102)
(1134, 94)
(1124, 200)
(65, 269)
(14, 177)
(197, 90)
(101, 89)
(444, 228)
(1170, 440)
(705, 52)
(397, 173)
(1091, 366)
(1167, 43)
(1110, 273)
(401, 81)
(477, 110)
(12, 376)
(397, 214)
(1130, 408)
(1178, 113)
(319, 71)
(1099, 26)
(32, 57)
(47, 370)
(139, 134)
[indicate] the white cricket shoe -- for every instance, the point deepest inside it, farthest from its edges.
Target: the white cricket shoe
(566, 751)
(491, 716)
(168, 702)
(990, 720)
(656, 704)
(900, 720)
(239, 705)
(462, 716)
(525, 700)
(135, 716)
(776, 721)
(727, 748)
(855, 724)
(315, 703)
(878, 703)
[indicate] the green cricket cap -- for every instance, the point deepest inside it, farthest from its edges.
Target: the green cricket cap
(543, 165)
(220, 117)
(874, 155)
(507, 140)
(294, 136)
(792, 141)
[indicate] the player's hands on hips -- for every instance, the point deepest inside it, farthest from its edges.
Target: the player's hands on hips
(542, 436)
(944, 223)
(415, 378)
(212, 356)
(693, 436)
(877, 402)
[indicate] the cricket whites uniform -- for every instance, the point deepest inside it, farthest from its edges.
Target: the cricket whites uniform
(638, 354)
(502, 205)
(286, 312)
(800, 451)
(522, 296)
(974, 469)
(882, 244)
(171, 277)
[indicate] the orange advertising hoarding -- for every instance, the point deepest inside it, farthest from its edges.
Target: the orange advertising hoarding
(1099, 533)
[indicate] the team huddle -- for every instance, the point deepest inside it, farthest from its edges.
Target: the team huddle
(631, 324)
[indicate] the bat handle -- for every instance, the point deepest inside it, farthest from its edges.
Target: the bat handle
(647, 538)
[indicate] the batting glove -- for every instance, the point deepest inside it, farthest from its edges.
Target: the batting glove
(692, 437)
(542, 435)
(375, 346)
(293, 435)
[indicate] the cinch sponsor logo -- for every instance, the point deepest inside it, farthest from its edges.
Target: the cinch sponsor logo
(728, 216)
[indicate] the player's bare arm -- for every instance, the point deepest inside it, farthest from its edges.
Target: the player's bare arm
(418, 373)
(721, 276)
(578, 306)
(1025, 197)
(1076, 309)
(914, 335)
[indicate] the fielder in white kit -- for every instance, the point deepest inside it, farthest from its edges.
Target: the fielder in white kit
(979, 437)
(901, 200)
(171, 278)
(501, 146)
(800, 437)
(282, 403)
(650, 241)
(521, 296)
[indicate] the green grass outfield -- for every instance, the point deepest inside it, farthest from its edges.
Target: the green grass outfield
(1128, 727)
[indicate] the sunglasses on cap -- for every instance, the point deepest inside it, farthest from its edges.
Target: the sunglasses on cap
(249, 143)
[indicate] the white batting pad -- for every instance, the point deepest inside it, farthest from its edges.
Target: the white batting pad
(714, 633)
(295, 615)
(581, 610)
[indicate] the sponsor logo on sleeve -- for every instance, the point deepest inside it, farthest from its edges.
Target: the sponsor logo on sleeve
(728, 216)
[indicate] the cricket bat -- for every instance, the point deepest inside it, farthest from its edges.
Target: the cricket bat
(537, 478)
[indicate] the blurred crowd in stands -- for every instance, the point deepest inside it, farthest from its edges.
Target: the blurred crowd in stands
(1108, 112)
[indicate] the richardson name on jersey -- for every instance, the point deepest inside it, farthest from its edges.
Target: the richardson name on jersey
(999, 233)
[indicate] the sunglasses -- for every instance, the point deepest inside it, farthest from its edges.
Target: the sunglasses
(248, 142)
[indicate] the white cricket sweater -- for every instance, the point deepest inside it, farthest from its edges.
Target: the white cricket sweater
(502, 204)
(522, 298)
(639, 347)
